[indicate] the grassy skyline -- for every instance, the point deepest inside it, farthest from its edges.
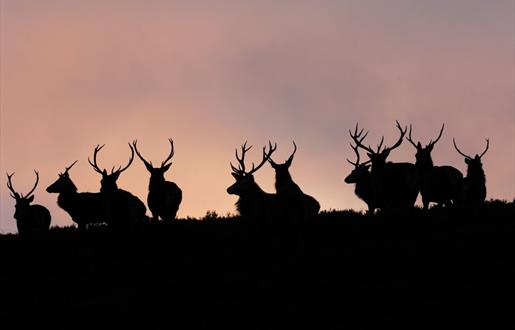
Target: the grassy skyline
(74, 75)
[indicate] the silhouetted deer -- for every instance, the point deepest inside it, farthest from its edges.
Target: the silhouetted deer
(84, 208)
(254, 204)
(122, 208)
(438, 184)
(30, 219)
(362, 179)
(474, 184)
(300, 207)
(395, 185)
(164, 197)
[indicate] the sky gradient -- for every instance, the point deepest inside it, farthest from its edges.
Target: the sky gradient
(210, 75)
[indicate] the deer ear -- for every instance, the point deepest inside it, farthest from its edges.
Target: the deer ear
(467, 161)
(104, 172)
(274, 165)
(288, 162)
(477, 157)
(166, 167)
(430, 147)
(419, 146)
(30, 199)
(149, 167)
(236, 176)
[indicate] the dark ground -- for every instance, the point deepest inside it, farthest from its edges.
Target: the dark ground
(438, 270)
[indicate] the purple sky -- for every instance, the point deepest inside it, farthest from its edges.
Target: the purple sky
(211, 75)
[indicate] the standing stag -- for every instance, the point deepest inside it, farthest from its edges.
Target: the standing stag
(362, 179)
(254, 204)
(300, 207)
(122, 209)
(30, 219)
(438, 184)
(473, 191)
(395, 185)
(164, 197)
(84, 208)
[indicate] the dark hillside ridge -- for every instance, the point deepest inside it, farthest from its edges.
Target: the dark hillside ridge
(440, 269)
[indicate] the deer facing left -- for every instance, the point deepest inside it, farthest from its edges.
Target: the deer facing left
(30, 219)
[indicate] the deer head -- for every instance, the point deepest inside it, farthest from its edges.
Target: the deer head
(360, 169)
(474, 165)
(244, 179)
(378, 157)
(156, 173)
(282, 169)
(63, 183)
(22, 201)
(423, 155)
(108, 182)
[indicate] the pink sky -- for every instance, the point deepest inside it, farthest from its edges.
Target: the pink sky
(74, 74)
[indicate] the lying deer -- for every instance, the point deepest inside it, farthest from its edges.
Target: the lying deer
(164, 197)
(473, 191)
(83, 207)
(301, 207)
(395, 185)
(438, 184)
(30, 219)
(122, 209)
(253, 204)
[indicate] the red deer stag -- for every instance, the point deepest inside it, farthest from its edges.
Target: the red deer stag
(253, 204)
(361, 177)
(30, 219)
(438, 184)
(84, 208)
(164, 197)
(395, 185)
(473, 191)
(300, 207)
(122, 209)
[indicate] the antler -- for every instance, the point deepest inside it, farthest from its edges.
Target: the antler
(410, 140)
(69, 167)
(399, 142)
(139, 155)
(294, 151)
(170, 155)
(356, 136)
(487, 145)
(35, 185)
(356, 151)
(120, 169)
(13, 193)
(241, 161)
(94, 163)
(266, 156)
(431, 142)
(459, 151)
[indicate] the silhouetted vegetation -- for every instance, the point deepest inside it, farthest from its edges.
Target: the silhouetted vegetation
(444, 268)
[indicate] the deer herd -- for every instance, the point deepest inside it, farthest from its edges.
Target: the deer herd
(381, 184)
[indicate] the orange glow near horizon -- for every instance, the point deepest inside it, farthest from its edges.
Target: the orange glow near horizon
(74, 75)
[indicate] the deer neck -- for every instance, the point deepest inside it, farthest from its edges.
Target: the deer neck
(476, 175)
(156, 183)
